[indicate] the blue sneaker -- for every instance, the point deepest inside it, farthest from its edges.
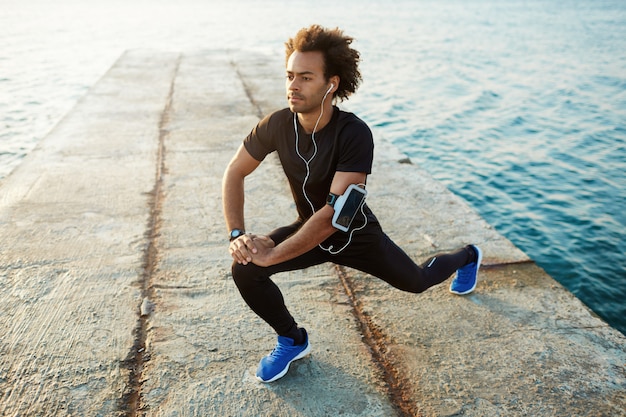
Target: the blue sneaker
(466, 277)
(276, 364)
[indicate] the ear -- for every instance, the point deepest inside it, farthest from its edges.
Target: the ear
(334, 80)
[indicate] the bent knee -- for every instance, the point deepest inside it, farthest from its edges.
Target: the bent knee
(238, 271)
(245, 274)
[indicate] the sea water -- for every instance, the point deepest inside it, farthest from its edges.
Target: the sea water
(517, 106)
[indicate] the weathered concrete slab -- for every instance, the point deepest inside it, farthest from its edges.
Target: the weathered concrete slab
(204, 343)
(520, 345)
(72, 223)
(120, 207)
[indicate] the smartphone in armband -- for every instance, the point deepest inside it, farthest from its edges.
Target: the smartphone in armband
(347, 205)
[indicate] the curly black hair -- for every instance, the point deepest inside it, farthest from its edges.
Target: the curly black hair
(339, 58)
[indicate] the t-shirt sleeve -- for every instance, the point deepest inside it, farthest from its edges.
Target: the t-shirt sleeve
(357, 148)
(260, 142)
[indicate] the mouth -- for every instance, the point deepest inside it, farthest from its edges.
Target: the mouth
(295, 97)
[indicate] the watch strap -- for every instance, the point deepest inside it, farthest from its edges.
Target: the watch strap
(331, 199)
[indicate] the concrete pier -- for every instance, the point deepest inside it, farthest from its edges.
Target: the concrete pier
(116, 297)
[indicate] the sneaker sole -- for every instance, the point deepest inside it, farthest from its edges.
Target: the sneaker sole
(478, 261)
(286, 369)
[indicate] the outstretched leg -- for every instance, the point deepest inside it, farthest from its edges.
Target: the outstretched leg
(385, 260)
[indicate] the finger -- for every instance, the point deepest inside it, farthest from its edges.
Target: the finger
(234, 253)
(248, 241)
(239, 252)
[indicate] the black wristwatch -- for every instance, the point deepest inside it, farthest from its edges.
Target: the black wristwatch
(331, 199)
(235, 233)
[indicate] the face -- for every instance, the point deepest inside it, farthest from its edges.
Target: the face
(305, 82)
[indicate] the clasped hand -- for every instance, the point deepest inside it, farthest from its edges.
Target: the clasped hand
(251, 248)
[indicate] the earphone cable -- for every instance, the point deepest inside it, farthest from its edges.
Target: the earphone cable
(308, 172)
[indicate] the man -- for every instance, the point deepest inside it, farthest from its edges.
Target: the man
(323, 151)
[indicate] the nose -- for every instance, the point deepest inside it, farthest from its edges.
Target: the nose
(292, 85)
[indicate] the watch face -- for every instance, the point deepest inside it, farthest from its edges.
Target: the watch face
(234, 234)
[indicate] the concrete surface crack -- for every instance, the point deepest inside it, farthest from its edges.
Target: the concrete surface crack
(397, 384)
(248, 90)
(138, 356)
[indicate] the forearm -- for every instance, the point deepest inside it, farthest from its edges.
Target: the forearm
(314, 231)
(233, 201)
(237, 170)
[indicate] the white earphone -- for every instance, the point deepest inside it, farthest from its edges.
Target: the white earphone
(308, 172)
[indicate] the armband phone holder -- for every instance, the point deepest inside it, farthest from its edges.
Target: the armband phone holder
(347, 205)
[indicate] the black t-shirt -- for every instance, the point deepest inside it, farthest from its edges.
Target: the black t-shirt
(345, 144)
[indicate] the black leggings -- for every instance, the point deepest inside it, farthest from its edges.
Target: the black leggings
(371, 251)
